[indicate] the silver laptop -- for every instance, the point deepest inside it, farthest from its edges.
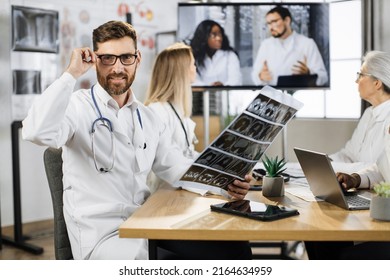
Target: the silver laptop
(323, 182)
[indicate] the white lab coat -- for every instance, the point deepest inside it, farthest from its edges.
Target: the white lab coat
(368, 140)
(165, 113)
(96, 204)
(379, 172)
(281, 55)
(223, 67)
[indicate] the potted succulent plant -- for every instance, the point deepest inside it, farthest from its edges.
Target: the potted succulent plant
(273, 181)
(380, 202)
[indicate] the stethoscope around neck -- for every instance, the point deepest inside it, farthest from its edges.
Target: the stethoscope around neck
(105, 123)
(188, 151)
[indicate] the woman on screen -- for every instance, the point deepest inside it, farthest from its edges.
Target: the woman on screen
(216, 61)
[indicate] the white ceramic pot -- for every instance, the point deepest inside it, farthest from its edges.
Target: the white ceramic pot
(273, 186)
(380, 208)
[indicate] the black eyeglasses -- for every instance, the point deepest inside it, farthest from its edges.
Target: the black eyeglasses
(360, 74)
(125, 59)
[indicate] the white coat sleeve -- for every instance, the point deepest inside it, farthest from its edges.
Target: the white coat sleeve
(46, 122)
(370, 177)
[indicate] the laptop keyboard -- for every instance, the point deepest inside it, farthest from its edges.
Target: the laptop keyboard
(358, 201)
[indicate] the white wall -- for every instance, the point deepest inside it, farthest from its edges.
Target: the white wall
(323, 135)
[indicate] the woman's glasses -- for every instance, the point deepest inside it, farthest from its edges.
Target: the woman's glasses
(361, 74)
(215, 35)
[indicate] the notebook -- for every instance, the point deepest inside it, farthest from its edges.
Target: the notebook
(323, 182)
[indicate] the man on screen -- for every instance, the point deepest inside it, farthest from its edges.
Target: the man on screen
(286, 52)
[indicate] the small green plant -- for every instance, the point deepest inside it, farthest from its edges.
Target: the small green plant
(273, 166)
(382, 189)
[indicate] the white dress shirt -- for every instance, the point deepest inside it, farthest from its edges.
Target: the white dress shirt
(368, 140)
(281, 55)
(223, 66)
(96, 204)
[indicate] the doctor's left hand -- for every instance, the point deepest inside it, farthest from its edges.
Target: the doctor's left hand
(239, 189)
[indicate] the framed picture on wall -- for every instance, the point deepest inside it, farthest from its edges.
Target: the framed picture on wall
(34, 30)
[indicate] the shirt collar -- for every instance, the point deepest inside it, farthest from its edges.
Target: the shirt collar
(107, 100)
(380, 112)
(289, 41)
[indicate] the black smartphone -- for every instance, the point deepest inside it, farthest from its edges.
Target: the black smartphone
(256, 187)
(254, 210)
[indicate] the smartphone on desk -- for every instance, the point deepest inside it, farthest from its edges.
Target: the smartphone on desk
(254, 210)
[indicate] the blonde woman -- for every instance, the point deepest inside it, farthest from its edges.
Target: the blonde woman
(170, 96)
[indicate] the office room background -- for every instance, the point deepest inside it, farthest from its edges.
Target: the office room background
(355, 26)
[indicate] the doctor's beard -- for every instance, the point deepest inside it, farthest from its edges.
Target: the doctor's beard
(116, 89)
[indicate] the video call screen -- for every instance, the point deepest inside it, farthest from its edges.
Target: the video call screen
(247, 29)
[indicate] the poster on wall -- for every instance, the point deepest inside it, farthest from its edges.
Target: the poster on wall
(234, 153)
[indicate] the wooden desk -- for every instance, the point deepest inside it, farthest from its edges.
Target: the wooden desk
(182, 215)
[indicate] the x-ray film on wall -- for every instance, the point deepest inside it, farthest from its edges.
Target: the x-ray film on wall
(34, 29)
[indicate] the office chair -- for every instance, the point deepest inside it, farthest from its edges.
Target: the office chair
(53, 166)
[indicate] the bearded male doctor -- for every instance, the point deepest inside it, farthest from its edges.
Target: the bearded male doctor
(110, 143)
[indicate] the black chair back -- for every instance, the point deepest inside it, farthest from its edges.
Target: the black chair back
(53, 166)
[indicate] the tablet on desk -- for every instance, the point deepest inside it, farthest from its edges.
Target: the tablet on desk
(255, 210)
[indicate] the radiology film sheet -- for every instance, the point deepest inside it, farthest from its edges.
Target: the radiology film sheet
(234, 153)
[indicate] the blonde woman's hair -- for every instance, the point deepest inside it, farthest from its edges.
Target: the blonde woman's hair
(170, 79)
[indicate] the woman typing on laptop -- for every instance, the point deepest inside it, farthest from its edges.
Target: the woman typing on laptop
(368, 143)
(374, 87)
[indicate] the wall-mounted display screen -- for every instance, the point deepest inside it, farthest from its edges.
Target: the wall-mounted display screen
(249, 45)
